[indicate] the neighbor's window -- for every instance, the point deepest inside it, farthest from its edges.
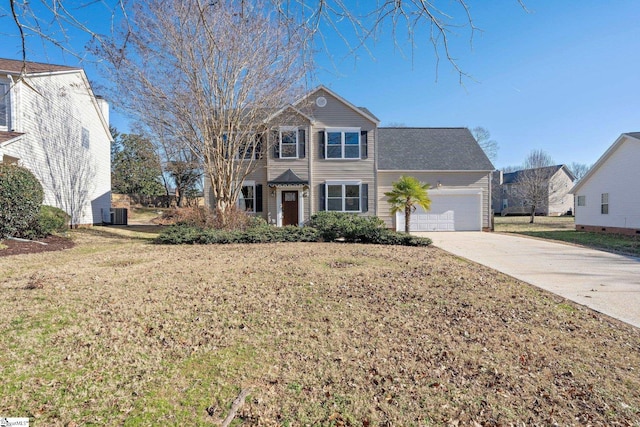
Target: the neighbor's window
(604, 203)
(4, 105)
(247, 199)
(582, 200)
(288, 143)
(342, 143)
(85, 138)
(343, 197)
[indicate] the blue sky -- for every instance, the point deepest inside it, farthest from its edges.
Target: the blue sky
(563, 77)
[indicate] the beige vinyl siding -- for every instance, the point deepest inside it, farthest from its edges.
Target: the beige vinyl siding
(279, 166)
(259, 175)
(338, 115)
(447, 180)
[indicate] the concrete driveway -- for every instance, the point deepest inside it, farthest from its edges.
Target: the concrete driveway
(603, 281)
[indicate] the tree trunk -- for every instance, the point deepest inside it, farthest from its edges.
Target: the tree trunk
(533, 214)
(407, 219)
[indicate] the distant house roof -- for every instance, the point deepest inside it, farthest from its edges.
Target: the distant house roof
(546, 173)
(288, 178)
(453, 149)
(14, 66)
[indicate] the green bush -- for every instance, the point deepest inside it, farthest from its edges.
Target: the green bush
(52, 220)
(20, 199)
(388, 237)
(347, 226)
(350, 227)
(185, 234)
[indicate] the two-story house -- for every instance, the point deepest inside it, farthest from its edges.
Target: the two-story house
(554, 183)
(326, 154)
(53, 124)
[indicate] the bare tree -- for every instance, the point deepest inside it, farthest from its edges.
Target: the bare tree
(208, 74)
(413, 21)
(579, 170)
(532, 183)
(488, 145)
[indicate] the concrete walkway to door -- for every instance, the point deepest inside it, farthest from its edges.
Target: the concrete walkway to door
(603, 281)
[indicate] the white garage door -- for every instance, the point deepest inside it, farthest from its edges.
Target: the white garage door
(451, 210)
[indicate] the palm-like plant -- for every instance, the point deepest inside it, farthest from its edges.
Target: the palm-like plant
(408, 193)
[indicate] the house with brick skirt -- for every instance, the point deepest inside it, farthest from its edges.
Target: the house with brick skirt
(607, 198)
(52, 123)
(326, 154)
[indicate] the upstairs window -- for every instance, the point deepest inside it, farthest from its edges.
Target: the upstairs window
(4, 105)
(289, 143)
(582, 201)
(604, 203)
(342, 143)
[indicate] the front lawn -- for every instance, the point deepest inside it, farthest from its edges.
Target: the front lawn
(118, 331)
(563, 229)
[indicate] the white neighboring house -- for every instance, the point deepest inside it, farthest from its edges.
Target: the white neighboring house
(53, 124)
(607, 198)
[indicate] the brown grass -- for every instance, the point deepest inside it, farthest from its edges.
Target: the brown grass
(118, 331)
(520, 224)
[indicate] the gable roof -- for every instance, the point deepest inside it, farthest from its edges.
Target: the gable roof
(450, 149)
(545, 173)
(14, 66)
(618, 142)
(360, 110)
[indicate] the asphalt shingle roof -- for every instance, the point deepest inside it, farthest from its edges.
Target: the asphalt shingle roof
(546, 172)
(453, 149)
(288, 178)
(14, 66)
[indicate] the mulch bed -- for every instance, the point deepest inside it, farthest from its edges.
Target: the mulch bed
(53, 243)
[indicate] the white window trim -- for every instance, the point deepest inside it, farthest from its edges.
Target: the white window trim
(344, 194)
(241, 197)
(604, 203)
(5, 87)
(342, 142)
(584, 200)
(295, 130)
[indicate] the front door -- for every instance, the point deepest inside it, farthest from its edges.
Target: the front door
(289, 208)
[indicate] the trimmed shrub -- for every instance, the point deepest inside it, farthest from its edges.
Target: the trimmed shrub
(350, 227)
(52, 220)
(20, 199)
(185, 234)
(387, 237)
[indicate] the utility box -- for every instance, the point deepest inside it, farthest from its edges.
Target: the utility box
(119, 216)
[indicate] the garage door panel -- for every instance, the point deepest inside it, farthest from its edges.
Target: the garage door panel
(449, 212)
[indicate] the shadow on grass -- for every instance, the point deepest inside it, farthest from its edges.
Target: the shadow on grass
(130, 232)
(620, 244)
